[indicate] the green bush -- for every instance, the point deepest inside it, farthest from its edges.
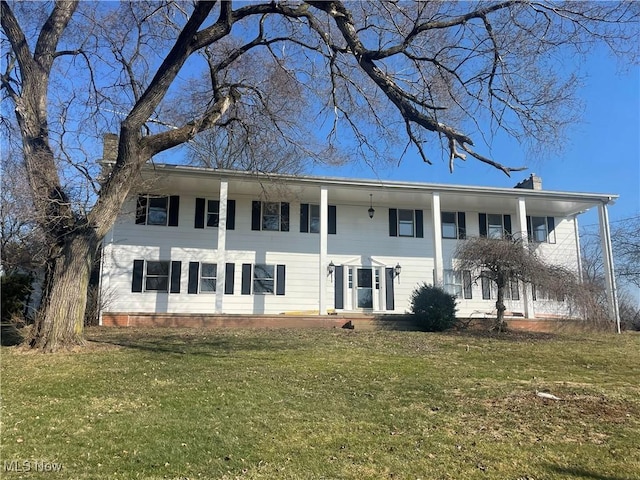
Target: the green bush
(433, 308)
(15, 290)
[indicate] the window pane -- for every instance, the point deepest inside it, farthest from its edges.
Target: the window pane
(365, 298)
(405, 223)
(262, 286)
(263, 271)
(158, 268)
(213, 213)
(365, 279)
(314, 218)
(209, 270)
(495, 229)
(539, 225)
(157, 211)
(207, 285)
(157, 283)
(449, 229)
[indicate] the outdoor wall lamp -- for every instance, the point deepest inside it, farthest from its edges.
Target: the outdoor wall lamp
(330, 269)
(371, 210)
(397, 270)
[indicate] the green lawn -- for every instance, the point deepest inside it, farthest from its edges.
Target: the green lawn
(325, 404)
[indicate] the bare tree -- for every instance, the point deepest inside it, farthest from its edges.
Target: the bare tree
(376, 78)
(505, 260)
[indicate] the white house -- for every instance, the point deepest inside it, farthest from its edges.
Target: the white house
(206, 241)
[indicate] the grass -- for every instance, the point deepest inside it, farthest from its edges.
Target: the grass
(326, 404)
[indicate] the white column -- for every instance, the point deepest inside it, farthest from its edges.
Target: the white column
(607, 259)
(520, 232)
(222, 245)
(576, 233)
(438, 275)
(322, 257)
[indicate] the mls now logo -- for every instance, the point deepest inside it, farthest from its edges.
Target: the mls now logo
(31, 466)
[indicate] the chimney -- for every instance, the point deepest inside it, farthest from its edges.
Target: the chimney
(109, 147)
(534, 182)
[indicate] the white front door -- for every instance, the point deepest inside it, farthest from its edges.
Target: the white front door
(364, 288)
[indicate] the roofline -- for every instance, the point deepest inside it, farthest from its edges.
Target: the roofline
(384, 184)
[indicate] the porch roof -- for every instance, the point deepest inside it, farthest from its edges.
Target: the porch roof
(385, 192)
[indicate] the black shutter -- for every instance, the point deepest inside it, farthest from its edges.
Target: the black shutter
(280, 279)
(551, 226)
(304, 218)
(419, 224)
(393, 222)
(141, 210)
(246, 279)
(515, 290)
(231, 214)
(390, 297)
(194, 272)
(529, 229)
(284, 217)
(486, 288)
(462, 226)
(466, 284)
(482, 220)
(507, 224)
(138, 274)
(199, 220)
(255, 215)
(333, 219)
(229, 277)
(174, 208)
(176, 268)
(338, 295)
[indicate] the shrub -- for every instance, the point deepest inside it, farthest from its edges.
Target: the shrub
(15, 291)
(433, 308)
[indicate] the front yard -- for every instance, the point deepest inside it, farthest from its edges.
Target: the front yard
(324, 404)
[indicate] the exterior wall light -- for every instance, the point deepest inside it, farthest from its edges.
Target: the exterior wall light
(371, 210)
(330, 269)
(397, 270)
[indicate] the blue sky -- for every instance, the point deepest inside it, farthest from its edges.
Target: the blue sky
(602, 153)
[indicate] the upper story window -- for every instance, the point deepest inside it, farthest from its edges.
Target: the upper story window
(454, 225)
(208, 213)
(310, 218)
(157, 210)
(406, 223)
(494, 225)
(541, 229)
(270, 216)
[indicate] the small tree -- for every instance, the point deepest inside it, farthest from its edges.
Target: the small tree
(503, 260)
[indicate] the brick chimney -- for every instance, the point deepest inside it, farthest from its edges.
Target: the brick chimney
(534, 182)
(109, 147)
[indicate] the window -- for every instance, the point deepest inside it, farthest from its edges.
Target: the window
(406, 223)
(458, 283)
(494, 225)
(541, 229)
(542, 294)
(270, 216)
(365, 288)
(310, 218)
(208, 277)
(157, 210)
(156, 276)
(263, 279)
(208, 213)
(490, 289)
(454, 225)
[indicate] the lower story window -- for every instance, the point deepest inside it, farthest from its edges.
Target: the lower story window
(263, 279)
(458, 283)
(208, 277)
(490, 289)
(157, 276)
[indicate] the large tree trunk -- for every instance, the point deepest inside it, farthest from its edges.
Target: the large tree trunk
(60, 320)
